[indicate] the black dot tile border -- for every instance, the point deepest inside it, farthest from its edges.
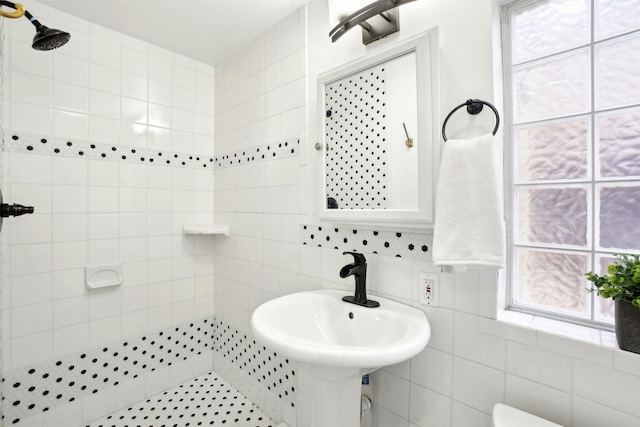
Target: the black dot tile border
(37, 144)
(206, 400)
(34, 389)
(415, 246)
(275, 372)
(266, 152)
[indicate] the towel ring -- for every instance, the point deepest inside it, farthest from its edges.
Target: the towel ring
(474, 106)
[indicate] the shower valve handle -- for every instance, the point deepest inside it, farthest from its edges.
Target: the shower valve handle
(7, 210)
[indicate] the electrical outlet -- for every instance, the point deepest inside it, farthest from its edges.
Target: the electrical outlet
(430, 289)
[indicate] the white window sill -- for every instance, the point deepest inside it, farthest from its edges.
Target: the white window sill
(586, 334)
(579, 342)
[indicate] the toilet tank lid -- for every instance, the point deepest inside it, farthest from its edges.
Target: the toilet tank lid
(506, 416)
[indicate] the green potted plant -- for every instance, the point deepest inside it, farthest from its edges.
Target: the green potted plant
(622, 284)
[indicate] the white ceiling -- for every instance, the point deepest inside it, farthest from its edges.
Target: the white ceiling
(209, 31)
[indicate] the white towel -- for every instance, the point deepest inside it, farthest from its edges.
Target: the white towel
(469, 229)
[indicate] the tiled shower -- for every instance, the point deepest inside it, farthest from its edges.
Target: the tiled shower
(118, 144)
(111, 140)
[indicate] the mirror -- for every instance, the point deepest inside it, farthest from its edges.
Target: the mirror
(371, 162)
(379, 143)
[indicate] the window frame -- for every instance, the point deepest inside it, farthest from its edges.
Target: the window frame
(592, 180)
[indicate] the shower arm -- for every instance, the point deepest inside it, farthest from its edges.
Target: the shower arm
(46, 38)
(19, 12)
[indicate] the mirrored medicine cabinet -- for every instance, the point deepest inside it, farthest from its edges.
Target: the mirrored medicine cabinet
(379, 142)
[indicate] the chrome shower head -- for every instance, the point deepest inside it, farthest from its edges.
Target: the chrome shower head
(48, 38)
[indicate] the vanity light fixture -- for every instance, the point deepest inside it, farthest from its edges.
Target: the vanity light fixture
(377, 19)
(46, 38)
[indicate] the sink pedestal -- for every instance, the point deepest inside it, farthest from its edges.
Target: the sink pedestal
(333, 396)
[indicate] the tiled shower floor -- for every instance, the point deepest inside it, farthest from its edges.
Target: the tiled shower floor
(207, 400)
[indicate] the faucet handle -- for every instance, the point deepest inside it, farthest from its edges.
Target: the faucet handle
(358, 258)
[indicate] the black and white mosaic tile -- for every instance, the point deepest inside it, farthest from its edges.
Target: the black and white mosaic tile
(29, 143)
(278, 150)
(389, 243)
(207, 400)
(356, 139)
(39, 388)
(274, 371)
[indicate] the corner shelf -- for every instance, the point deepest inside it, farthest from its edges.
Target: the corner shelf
(206, 229)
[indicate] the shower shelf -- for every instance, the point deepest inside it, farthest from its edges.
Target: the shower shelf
(206, 229)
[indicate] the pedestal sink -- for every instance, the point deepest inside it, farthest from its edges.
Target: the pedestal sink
(335, 344)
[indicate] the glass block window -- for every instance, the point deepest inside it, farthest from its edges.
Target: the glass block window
(574, 140)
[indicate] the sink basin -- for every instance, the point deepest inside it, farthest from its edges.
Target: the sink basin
(319, 328)
(336, 343)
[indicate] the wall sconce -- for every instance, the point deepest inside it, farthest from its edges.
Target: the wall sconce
(46, 38)
(377, 19)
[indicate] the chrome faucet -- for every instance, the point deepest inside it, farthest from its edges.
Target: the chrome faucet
(359, 270)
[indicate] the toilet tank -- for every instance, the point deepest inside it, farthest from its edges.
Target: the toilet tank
(506, 416)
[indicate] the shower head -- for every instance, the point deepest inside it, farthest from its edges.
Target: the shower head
(46, 38)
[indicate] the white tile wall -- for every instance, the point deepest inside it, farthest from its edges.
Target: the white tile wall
(427, 408)
(537, 398)
(110, 89)
(259, 200)
(472, 360)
